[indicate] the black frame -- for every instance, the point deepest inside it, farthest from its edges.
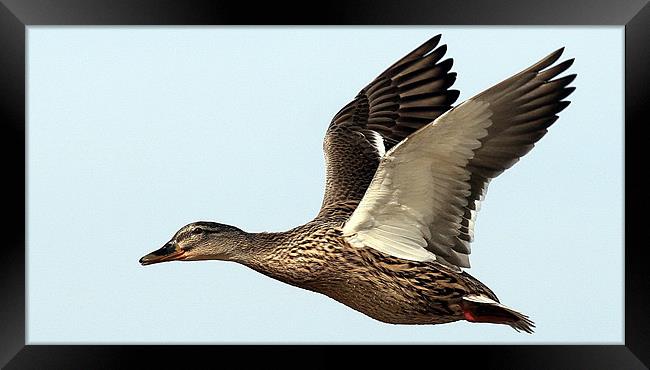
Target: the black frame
(15, 15)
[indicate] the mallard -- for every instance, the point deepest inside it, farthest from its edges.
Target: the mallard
(406, 173)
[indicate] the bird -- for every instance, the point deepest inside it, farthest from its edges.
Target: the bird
(406, 172)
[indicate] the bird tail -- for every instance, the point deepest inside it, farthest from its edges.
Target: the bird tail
(479, 308)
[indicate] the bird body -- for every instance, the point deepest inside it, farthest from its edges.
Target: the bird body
(406, 173)
(316, 257)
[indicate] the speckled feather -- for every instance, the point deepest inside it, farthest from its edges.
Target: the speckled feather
(315, 257)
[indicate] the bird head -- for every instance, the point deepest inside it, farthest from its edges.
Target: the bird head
(198, 241)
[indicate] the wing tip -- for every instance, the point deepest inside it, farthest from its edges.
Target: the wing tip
(429, 45)
(553, 57)
(446, 64)
(562, 105)
(434, 40)
(561, 67)
(421, 51)
(570, 78)
(547, 70)
(557, 53)
(453, 95)
(442, 50)
(546, 61)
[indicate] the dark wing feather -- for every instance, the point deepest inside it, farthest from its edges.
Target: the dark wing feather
(409, 94)
(523, 107)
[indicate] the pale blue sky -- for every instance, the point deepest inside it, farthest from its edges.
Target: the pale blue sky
(135, 132)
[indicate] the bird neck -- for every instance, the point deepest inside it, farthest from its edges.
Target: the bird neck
(256, 248)
(268, 253)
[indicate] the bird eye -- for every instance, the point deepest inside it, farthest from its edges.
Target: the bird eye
(197, 231)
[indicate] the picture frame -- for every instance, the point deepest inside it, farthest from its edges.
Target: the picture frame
(16, 15)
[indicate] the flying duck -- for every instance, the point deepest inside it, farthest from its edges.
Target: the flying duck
(406, 173)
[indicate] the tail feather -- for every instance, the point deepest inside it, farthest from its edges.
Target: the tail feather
(478, 308)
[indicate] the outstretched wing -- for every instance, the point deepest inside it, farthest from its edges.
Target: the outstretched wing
(421, 204)
(408, 95)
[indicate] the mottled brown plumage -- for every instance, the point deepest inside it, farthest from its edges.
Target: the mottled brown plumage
(370, 217)
(393, 290)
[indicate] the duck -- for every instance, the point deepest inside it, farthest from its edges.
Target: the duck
(406, 172)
